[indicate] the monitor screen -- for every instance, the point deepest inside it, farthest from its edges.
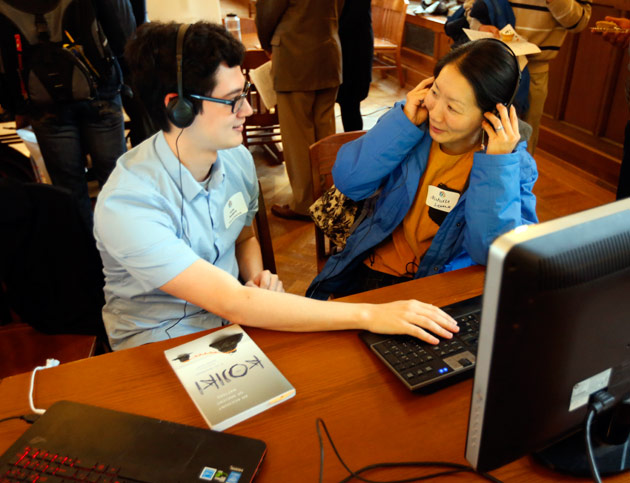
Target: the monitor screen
(555, 329)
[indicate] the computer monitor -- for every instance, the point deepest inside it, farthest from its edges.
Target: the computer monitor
(555, 329)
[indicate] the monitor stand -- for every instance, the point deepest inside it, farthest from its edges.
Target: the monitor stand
(569, 456)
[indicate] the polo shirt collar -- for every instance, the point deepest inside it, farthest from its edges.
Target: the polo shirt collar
(190, 187)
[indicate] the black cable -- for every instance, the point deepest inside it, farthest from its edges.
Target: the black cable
(599, 402)
(455, 467)
(10, 418)
(402, 464)
(29, 418)
(181, 222)
(589, 445)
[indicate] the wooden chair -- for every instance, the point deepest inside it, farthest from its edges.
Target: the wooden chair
(323, 154)
(248, 25)
(388, 22)
(264, 234)
(262, 127)
(51, 275)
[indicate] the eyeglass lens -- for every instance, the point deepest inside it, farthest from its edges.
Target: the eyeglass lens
(240, 100)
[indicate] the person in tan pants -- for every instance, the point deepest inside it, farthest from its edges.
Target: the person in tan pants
(306, 68)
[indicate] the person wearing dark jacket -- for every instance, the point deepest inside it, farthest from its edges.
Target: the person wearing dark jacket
(67, 131)
(357, 52)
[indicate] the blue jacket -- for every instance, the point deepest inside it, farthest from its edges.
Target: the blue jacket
(394, 155)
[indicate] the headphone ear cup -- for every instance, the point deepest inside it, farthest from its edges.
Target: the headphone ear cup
(180, 111)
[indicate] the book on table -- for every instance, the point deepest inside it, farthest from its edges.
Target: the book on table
(228, 376)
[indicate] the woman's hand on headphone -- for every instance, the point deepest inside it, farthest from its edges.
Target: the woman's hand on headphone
(502, 130)
(414, 107)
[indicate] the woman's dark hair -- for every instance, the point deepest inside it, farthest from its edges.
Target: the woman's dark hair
(151, 55)
(489, 66)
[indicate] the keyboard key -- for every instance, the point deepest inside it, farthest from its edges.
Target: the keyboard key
(93, 477)
(65, 472)
(81, 475)
(84, 463)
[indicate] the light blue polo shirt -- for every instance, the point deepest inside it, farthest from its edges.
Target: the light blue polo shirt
(152, 221)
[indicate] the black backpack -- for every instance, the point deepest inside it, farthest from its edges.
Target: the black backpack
(60, 54)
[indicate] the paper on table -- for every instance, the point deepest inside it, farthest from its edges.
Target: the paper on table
(261, 78)
(519, 45)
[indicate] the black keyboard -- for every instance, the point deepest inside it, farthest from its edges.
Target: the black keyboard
(36, 465)
(421, 365)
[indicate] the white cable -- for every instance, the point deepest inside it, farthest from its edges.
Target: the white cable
(49, 363)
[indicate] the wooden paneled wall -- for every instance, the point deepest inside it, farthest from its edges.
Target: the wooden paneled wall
(586, 110)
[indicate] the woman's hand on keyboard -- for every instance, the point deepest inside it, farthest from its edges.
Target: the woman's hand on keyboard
(411, 317)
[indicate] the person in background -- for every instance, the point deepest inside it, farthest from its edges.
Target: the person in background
(445, 192)
(357, 49)
(67, 132)
(621, 38)
(546, 24)
(173, 223)
(139, 126)
(488, 16)
(303, 38)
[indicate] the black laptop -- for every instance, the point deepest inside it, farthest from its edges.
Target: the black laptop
(420, 365)
(76, 442)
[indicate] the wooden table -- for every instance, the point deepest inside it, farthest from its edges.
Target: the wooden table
(370, 415)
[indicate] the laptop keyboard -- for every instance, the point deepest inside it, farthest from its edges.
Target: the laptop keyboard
(36, 465)
(419, 364)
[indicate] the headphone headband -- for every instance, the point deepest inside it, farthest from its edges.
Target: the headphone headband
(180, 110)
(181, 34)
(516, 65)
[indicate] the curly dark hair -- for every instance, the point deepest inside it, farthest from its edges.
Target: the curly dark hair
(151, 56)
(491, 69)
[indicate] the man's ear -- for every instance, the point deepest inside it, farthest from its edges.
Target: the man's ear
(169, 97)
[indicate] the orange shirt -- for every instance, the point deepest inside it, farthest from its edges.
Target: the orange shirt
(401, 253)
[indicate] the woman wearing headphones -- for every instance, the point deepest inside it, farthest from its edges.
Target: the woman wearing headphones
(450, 170)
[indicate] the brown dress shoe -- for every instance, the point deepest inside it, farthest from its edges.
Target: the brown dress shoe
(283, 211)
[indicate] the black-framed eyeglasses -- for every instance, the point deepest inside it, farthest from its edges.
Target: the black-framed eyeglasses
(236, 103)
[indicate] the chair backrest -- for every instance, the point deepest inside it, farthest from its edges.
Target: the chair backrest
(264, 234)
(14, 165)
(323, 154)
(51, 279)
(263, 126)
(50, 266)
(262, 116)
(248, 25)
(388, 20)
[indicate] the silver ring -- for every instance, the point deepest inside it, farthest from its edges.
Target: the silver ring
(499, 128)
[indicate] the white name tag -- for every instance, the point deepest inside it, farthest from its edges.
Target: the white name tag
(441, 199)
(234, 208)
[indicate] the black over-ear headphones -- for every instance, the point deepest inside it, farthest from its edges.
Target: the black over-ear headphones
(180, 110)
(516, 66)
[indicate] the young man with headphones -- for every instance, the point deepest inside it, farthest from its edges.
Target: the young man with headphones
(173, 223)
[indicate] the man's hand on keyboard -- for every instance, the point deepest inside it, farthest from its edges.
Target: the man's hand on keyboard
(414, 318)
